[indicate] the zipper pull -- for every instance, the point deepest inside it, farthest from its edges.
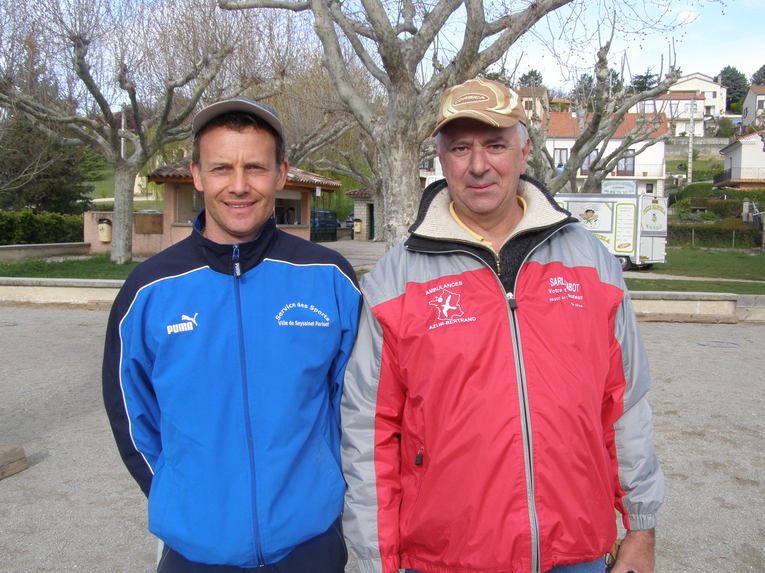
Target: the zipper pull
(420, 455)
(235, 259)
(511, 302)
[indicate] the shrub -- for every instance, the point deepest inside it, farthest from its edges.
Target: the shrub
(721, 234)
(26, 228)
(725, 208)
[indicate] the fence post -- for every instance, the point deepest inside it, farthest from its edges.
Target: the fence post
(734, 239)
(693, 237)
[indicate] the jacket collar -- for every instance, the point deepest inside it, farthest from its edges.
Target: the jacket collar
(435, 222)
(220, 257)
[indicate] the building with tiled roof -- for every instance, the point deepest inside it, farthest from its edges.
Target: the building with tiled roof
(753, 110)
(684, 109)
(153, 232)
(635, 173)
(715, 94)
(534, 101)
(743, 162)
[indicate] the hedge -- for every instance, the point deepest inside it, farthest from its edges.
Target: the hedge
(28, 228)
(723, 234)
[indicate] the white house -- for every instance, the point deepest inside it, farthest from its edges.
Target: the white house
(744, 162)
(683, 109)
(753, 110)
(687, 104)
(714, 93)
(534, 100)
(641, 173)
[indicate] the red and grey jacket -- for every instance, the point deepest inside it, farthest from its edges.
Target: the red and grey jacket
(493, 411)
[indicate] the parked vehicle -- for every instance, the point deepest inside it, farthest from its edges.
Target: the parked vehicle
(633, 227)
(324, 224)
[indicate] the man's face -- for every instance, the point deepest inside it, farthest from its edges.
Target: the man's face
(482, 165)
(239, 177)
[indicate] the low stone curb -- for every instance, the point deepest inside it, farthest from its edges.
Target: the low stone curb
(661, 306)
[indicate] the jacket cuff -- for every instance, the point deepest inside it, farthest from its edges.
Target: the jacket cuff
(640, 521)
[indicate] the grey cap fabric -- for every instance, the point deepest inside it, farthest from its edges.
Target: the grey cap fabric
(243, 104)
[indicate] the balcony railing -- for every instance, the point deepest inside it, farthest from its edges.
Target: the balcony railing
(641, 170)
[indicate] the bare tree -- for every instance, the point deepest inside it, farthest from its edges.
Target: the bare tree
(127, 76)
(414, 50)
(600, 114)
(393, 41)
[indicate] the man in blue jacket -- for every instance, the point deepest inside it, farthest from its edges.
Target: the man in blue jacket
(223, 369)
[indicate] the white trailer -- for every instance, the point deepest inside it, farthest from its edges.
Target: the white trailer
(632, 226)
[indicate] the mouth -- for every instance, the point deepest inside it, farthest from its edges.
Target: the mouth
(480, 186)
(240, 205)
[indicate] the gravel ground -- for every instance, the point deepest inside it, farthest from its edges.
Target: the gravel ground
(77, 509)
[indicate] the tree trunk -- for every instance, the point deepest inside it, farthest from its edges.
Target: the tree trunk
(122, 223)
(401, 185)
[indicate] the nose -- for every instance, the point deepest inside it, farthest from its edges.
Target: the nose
(239, 180)
(478, 164)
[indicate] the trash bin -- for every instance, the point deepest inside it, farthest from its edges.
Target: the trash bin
(105, 230)
(356, 226)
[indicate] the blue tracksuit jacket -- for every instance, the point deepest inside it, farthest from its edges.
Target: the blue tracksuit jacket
(222, 376)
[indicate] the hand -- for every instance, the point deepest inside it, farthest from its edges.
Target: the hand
(636, 552)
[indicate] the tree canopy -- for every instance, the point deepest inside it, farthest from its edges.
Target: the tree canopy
(758, 78)
(38, 172)
(532, 78)
(644, 82)
(736, 83)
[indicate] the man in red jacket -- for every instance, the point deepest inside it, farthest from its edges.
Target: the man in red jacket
(494, 409)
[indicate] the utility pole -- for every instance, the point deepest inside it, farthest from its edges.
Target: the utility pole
(690, 144)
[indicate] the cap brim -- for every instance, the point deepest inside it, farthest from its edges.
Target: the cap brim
(264, 112)
(493, 120)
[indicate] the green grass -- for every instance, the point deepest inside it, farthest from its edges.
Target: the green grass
(104, 186)
(714, 263)
(99, 267)
(681, 261)
(694, 286)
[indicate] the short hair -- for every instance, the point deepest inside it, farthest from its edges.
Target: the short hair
(239, 121)
(520, 129)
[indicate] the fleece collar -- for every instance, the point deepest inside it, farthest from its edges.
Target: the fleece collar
(435, 222)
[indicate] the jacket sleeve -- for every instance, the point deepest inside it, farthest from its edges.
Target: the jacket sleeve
(371, 415)
(349, 304)
(129, 398)
(641, 482)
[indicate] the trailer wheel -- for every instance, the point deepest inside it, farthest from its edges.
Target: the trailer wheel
(625, 262)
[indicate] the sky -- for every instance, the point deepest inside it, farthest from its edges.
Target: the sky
(714, 35)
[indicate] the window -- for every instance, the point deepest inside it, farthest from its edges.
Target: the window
(674, 108)
(690, 107)
(761, 104)
(528, 105)
(647, 106)
(649, 187)
(188, 204)
(590, 160)
(428, 164)
(287, 208)
(560, 156)
(626, 165)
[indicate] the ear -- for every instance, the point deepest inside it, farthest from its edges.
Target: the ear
(282, 177)
(197, 177)
(526, 151)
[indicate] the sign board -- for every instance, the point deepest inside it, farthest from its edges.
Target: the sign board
(618, 187)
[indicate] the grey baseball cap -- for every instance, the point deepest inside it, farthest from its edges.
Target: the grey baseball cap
(243, 104)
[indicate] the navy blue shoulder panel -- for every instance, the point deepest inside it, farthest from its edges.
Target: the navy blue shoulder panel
(295, 250)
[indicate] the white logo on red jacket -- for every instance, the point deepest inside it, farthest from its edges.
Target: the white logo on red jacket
(448, 305)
